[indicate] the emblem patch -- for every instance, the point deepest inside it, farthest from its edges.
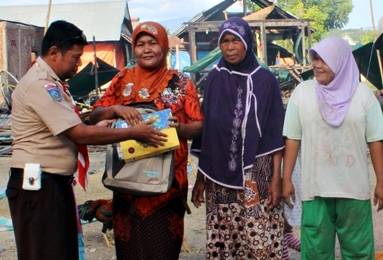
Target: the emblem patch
(54, 91)
(144, 93)
(128, 89)
(149, 28)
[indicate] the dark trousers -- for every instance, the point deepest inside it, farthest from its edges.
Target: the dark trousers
(44, 221)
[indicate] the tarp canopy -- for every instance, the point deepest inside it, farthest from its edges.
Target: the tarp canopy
(5, 223)
(84, 81)
(366, 57)
(2, 193)
(215, 54)
(201, 64)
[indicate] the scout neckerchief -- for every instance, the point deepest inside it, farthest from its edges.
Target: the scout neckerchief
(82, 155)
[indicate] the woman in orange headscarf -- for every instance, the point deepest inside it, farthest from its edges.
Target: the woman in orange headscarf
(152, 227)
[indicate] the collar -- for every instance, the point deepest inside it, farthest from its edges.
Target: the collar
(46, 72)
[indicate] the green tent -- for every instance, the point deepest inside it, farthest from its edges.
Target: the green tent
(204, 62)
(84, 81)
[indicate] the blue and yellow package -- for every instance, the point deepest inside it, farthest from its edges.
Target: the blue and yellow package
(132, 150)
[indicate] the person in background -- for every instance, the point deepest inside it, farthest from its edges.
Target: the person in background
(151, 227)
(48, 136)
(335, 119)
(241, 152)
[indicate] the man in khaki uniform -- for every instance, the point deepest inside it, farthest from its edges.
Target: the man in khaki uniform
(47, 134)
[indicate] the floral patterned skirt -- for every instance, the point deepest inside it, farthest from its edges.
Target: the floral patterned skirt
(238, 222)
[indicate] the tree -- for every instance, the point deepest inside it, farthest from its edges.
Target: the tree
(325, 14)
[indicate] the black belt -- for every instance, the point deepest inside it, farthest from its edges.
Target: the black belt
(18, 174)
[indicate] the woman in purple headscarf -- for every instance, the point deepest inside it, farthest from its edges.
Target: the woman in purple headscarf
(335, 119)
(240, 160)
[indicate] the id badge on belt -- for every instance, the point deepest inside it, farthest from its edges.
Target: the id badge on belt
(32, 176)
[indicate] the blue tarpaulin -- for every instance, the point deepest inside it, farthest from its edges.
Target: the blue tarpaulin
(2, 193)
(5, 224)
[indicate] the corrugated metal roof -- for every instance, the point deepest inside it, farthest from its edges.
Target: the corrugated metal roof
(101, 19)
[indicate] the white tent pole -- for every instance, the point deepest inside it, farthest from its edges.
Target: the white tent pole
(380, 65)
(48, 15)
(95, 66)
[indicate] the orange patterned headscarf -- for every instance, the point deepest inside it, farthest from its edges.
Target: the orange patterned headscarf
(156, 31)
(138, 84)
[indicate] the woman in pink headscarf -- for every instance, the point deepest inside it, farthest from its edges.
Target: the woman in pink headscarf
(335, 119)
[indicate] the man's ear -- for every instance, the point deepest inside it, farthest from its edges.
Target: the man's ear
(53, 53)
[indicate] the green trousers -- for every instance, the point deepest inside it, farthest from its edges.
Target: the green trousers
(349, 219)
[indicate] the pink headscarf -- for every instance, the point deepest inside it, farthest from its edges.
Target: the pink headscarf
(335, 98)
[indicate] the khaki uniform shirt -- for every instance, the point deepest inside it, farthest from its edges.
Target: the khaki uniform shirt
(41, 111)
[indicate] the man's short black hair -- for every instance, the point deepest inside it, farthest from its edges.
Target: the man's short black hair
(63, 35)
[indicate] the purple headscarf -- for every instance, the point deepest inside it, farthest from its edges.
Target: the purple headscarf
(243, 114)
(334, 99)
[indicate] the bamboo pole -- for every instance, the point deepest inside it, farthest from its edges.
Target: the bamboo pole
(380, 65)
(95, 66)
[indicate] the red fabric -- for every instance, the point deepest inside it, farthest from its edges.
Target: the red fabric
(83, 156)
(82, 166)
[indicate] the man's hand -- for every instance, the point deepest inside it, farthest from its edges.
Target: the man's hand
(198, 191)
(147, 134)
(129, 114)
(288, 192)
(378, 196)
(274, 192)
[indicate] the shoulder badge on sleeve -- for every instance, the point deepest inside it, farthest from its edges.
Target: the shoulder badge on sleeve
(54, 91)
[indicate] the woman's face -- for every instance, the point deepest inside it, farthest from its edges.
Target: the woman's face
(233, 49)
(322, 72)
(148, 52)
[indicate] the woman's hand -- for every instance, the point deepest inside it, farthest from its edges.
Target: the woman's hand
(274, 192)
(174, 122)
(186, 130)
(129, 114)
(288, 192)
(198, 191)
(378, 196)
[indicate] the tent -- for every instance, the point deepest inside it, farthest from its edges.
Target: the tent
(84, 81)
(201, 64)
(213, 56)
(367, 58)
